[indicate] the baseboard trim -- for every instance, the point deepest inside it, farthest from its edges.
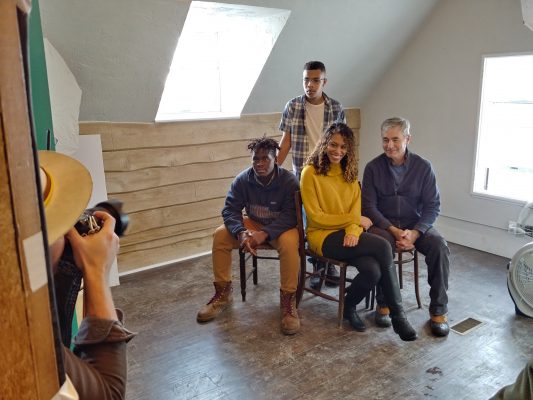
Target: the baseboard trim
(480, 237)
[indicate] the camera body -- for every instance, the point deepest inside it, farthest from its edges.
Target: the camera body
(89, 224)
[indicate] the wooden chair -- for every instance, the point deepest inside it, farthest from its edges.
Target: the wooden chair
(243, 257)
(400, 261)
(412, 255)
(305, 275)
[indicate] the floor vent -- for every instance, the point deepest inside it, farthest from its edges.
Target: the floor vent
(466, 326)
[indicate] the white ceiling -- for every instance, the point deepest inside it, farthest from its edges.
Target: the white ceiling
(120, 50)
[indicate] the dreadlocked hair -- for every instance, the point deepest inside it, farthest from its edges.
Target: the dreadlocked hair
(270, 145)
(319, 157)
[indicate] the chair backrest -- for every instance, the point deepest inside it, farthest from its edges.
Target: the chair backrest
(299, 221)
(301, 242)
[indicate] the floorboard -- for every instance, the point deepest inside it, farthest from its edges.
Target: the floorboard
(242, 354)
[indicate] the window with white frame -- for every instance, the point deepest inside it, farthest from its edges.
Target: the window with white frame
(504, 160)
(220, 54)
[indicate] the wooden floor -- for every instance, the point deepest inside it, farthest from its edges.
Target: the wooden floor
(242, 355)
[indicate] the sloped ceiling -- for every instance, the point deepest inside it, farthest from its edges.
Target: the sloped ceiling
(120, 50)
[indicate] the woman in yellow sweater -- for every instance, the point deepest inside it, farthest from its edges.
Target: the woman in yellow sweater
(332, 200)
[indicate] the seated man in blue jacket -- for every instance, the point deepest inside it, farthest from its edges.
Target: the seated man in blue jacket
(266, 192)
(401, 197)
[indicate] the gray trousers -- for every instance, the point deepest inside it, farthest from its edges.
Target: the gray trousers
(434, 247)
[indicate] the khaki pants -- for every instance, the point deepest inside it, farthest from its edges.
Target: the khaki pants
(286, 244)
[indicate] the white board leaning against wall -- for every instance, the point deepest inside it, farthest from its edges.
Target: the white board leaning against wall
(65, 100)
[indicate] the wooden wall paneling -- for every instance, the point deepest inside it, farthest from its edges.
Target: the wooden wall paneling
(175, 194)
(168, 231)
(163, 242)
(122, 136)
(27, 347)
(170, 253)
(353, 120)
(130, 160)
(130, 181)
(145, 220)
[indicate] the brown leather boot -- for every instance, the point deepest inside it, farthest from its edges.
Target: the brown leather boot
(290, 323)
(219, 302)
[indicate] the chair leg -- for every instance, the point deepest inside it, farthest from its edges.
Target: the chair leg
(242, 268)
(301, 280)
(342, 289)
(323, 276)
(415, 255)
(254, 270)
(400, 270)
(370, 298)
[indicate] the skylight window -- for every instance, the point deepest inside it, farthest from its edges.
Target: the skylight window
(220, 54)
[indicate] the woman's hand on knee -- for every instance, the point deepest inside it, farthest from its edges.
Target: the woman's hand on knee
(350, 240)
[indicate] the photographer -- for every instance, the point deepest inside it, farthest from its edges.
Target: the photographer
(98, 367)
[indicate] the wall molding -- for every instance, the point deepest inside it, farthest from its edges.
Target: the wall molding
(480, 237)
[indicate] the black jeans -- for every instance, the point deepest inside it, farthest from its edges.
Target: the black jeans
(372, 256)
(436, 250)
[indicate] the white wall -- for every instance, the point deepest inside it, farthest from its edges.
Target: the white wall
(435, 83)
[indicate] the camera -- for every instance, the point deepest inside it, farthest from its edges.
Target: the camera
(89, 224)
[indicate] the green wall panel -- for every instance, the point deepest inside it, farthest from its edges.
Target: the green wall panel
(40, 96)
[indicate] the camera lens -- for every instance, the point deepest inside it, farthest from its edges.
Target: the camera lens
(114, 208)
(88, 224)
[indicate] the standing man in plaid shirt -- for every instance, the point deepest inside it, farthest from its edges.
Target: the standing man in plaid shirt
(304, 121)
(306, 117)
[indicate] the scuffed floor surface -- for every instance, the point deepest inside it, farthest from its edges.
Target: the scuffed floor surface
(242, 355)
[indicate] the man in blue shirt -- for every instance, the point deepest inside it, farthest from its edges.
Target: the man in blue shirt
(401, 197)
(266, 192)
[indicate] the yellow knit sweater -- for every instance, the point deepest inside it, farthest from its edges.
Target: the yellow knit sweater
(331, 204)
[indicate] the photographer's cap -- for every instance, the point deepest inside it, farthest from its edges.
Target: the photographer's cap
(67, 187)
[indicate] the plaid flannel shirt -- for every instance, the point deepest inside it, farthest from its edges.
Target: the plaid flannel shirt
(293, 121)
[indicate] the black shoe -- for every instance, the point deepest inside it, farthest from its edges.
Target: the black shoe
(382, 320)
(439, 326)
(356, 322)
(403, 328)
(333, 276)
(315, 280)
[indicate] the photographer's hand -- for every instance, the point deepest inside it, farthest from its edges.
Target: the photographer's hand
(94, 255)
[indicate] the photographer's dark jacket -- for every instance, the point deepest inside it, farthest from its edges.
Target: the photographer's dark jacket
(414, 204)
(271, 205)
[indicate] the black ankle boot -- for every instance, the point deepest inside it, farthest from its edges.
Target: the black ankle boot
(403, 328)
(391, 290)
(356, 322)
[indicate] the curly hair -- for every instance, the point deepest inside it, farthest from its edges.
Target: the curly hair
(320, 160)
(264, 142)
